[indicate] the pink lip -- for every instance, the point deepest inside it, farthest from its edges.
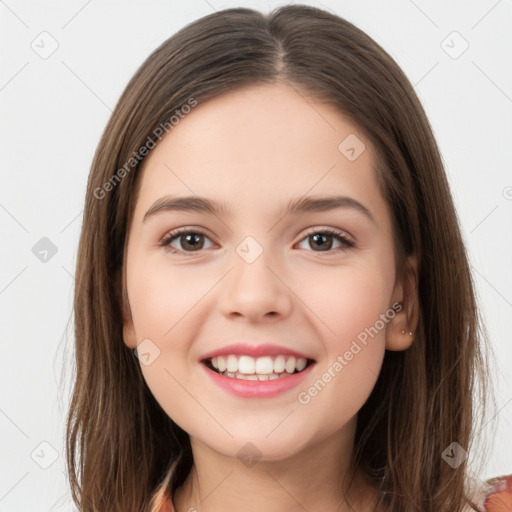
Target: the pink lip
(257, 388)
(266, 349)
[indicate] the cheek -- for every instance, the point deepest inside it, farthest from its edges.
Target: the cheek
(165, 306)
(162, 301)
(340, 388)
(163, 314)
(352, 331)
(347, 302)
(350, 318)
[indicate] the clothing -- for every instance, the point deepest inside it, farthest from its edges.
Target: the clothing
(494, 496)
(167, 506)
(497, 494)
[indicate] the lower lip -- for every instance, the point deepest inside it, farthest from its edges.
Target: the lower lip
(257, 388)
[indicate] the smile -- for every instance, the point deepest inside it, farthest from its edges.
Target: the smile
(245, 367)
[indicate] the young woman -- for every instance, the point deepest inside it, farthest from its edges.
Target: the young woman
(274, 308)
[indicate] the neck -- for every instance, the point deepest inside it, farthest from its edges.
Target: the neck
(319, 477)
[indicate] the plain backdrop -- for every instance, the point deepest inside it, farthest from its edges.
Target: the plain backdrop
(54, 108)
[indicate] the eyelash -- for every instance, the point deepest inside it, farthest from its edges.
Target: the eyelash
(173, 235)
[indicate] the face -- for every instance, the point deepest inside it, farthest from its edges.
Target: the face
(319, 282)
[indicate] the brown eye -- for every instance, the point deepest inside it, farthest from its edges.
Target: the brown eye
(323, 240)
(188, 240)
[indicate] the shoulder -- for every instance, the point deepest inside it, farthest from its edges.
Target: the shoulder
(496, 494)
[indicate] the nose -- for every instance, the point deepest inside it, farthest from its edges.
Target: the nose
(256, 291)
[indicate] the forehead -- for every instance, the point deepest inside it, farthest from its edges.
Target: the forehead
(261, 144)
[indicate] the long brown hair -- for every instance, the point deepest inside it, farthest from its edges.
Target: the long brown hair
(120, 444)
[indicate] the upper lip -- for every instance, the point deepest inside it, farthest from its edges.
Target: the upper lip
(264, 349)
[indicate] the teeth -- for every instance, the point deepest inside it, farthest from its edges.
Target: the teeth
(232, 363)
(245, 364)
(301, 364)
(253, 376)
(279, 364)
(261, 368)
(220, 363)
(264, 365)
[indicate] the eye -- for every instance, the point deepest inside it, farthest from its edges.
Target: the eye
(190, 240)
(323, 239)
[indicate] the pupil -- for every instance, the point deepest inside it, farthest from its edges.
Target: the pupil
(316, 237)
(191, 237)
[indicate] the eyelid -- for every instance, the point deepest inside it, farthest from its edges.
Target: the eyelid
(175, 234)
(331, 231)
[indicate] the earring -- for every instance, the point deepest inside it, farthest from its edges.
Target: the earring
(410, 333)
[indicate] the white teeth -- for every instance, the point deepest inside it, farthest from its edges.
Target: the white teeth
(221, 363)
(301, 364)
(279, 364)
(245, 364)
(232, 363)
(254, 376)
(261, 368)
(290, 365)
(264, 365)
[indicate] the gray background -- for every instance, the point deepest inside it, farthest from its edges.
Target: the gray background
(53, 111)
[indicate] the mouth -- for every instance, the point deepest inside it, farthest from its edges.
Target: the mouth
(245, 367)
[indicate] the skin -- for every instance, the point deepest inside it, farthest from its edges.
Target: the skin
(256, 149)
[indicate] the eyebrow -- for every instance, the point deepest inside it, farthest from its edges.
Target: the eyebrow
(295, 206)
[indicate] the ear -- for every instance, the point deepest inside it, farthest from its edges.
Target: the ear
(407, 314)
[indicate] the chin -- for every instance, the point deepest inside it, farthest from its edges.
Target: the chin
(252, 449)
